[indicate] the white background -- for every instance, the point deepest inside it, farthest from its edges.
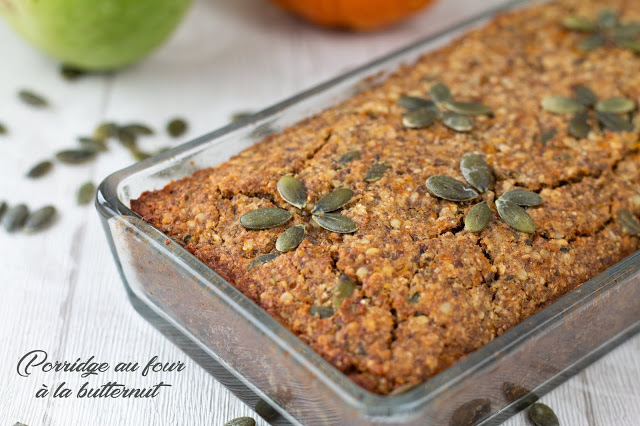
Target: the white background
(60, 290)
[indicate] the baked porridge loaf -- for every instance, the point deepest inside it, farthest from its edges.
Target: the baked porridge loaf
(428, 291)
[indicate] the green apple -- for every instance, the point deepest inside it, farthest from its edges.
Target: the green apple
(95, 34)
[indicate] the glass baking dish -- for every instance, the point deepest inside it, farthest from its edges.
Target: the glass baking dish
(257, 357)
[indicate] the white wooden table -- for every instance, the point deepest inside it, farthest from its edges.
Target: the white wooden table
(60, 291)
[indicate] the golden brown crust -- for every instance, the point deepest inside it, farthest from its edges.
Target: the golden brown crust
(428, 292)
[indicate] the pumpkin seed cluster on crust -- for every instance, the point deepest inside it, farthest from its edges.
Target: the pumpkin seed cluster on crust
(613, 114)
(605, 31)
(478, 176)
(456, 115)
(294, 193)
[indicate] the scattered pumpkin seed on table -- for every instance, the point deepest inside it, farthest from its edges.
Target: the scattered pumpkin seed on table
(85, 193)
(561, 105)
(105, 131)
(615, 105)
(241, 115)
(541, 415)
(40, 169)
(75, 156)
(70, 73)
(241, 421)
(414, 102)
(3, 129)
(176, 127)
(33, 99)
(127, 138)
(3, 208)
(15, 217)
(92, 144)
(39, 219)
(138, 129)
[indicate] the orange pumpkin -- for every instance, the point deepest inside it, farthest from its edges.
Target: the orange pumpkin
(353, 14)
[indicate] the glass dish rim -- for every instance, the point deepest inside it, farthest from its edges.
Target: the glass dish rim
(109, 205)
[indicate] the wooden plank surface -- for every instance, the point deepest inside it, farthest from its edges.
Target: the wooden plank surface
(60, 289)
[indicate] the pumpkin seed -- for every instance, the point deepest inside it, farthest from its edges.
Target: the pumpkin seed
(457, 122)
(336, 222)
(3, 208)
(584, 95)
(547, 135)
(292, 191)
(264, 218)
(476, 171)
(630, 30)
(614, 122)
(376, 172)
(290, 239)
(92, 144)
(629, 221)
(607, 18)
(138, 129)
(40, 169)
(440, 93)
(414, 102)
(75, 156)
(450, 189)
(349, 156)
(419, 118)
(15, 217)
(414, 298)
(262, 259)
(176, 127)
(3, 129)
(541, 415)
(241, 115)
(105, 131)
(39, 219)
(127, 138)
(265, 410)
(468, 108)
(32, 98)
(333, 201)
(343, 289)
(70, 73)
(478, 217)
(561, 105)
(138, 154)
(321, 311)
(85, 193)
(577, 23)
(522, 197)
(515, 216)
(616, 105)
(630, 44)
(591, 42)
(241, 421)
(579, 125)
